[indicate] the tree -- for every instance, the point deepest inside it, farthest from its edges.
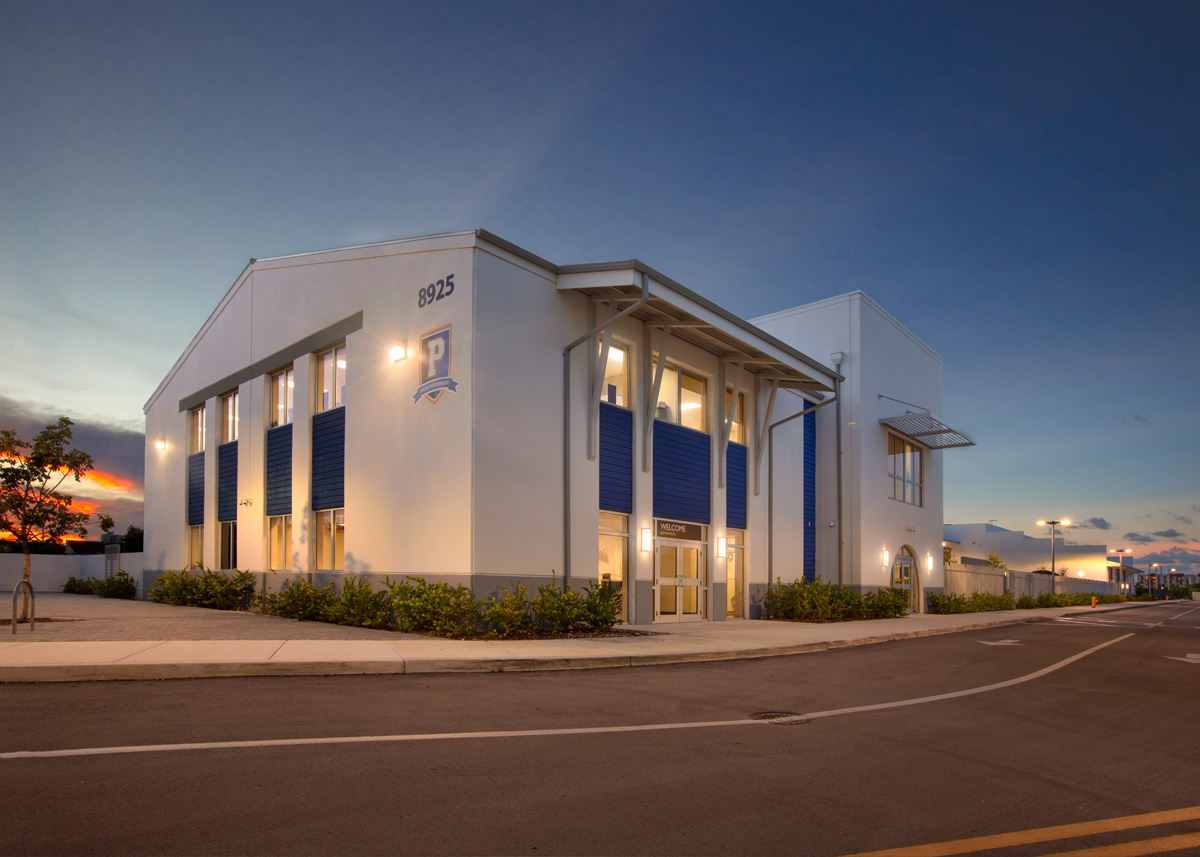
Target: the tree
(131, 542)
(106, 523)
(32, 509)
(995, 561)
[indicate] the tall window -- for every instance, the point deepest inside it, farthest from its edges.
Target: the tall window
(737, 431)
(331, 532)
(229, 417)
(614, 555)
(904, 470)
(196, 430)
(280, 530)
(282, 387)
(332, 393)
(616, 376)
(195, 553)
(682, 399)
(228, 545)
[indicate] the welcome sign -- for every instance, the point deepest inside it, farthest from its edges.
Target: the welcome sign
(434, 372)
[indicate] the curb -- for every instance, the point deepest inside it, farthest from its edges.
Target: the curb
(400, 666)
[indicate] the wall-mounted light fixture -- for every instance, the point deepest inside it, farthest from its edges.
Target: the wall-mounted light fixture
(886, 560)
(929, 562)
(399, 352)
(720, 547)
(647, 540)
(161, 444)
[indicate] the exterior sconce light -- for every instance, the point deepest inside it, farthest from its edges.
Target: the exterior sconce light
(929, 562)
(161, 444)
(720, 547)
(886, 556)
(647, 540)
(399, 352)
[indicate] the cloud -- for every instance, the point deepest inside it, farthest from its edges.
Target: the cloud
(1140, 538)
(1137, 418)
(115, 486)
(1094, 524)
(1183, 559)
(1170, 534)
(1180, 519)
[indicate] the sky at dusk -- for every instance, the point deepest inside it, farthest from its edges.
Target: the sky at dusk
(1017, 183)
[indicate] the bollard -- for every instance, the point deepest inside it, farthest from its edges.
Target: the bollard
(23, 584)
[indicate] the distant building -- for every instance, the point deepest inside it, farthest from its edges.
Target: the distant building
(974, 543)
(457, 408)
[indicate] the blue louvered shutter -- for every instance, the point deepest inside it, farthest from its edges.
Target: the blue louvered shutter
(279, 470)
(735, 486)
(616, 459)
(195, 495)
(227, 467)
(328, 459)
(682, 473)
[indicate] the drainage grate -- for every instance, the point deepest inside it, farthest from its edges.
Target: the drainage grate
(780, 718)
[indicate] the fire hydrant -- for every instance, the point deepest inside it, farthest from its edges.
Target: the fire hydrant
(1095, 601)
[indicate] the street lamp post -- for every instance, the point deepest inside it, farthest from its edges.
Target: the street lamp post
(1121, 573)
(1053, 528)
(1154, 581)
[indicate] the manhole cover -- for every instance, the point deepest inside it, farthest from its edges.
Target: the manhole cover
(780, 718)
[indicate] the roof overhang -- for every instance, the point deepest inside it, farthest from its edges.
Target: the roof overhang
(698, 321)
(927, 430)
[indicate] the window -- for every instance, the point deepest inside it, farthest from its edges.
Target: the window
(282, 386)
(196, 430)
(904, 469)
(614, 554)
(332, 393)
(735, 573)
(229, 418)
(737, 431)
(681, 399)
(616, 376)
(331, 531)
(228, 545)
(195, 553)
(280, 536)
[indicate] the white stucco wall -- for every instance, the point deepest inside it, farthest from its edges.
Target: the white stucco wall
(1021, 552)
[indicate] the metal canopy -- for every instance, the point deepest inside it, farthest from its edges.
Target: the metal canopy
(659, 311)
(928, 431)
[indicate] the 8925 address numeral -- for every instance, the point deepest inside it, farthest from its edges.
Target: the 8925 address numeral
(436, 291)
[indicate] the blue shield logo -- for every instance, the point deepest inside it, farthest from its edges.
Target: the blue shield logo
(435, 366)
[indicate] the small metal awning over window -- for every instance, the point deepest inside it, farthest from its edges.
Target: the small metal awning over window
(927, 430)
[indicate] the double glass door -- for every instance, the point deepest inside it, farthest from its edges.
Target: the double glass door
(679, 581)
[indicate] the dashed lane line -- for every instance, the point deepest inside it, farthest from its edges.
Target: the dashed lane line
(542, 733)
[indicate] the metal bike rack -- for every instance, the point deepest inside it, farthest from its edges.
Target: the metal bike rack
(16, 592)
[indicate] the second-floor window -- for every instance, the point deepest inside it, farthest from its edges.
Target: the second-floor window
(229, 417)
(196, 430)
(616, 377)
(332, 390)
(682, 399)
(904, 470)
(283, 385)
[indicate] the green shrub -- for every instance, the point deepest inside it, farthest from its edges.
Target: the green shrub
(979, 602)
(74, 586)
(508, 615)
(119, 585)
(207, 589)
(299, 599)
(601, 606)
(434, 608)
(362, 606)
(817, 601)
(557, 610)
(886, 604)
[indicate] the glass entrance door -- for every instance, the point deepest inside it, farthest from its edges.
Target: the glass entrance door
(679, 581)
(902, 578)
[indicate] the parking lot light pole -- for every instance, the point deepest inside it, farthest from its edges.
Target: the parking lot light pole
(1053, 528)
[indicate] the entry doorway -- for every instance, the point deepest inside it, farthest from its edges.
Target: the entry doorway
(904, 577)
(735, 575)
(679, 581)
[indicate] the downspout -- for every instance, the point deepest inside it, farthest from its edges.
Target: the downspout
(771, 483)
(567, 421)
(837, 391)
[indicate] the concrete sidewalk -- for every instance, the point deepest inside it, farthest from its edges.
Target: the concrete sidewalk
(84, 638)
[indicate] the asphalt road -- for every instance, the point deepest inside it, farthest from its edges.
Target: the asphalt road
(612, 761)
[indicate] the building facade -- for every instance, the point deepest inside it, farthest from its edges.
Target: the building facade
(457, 408)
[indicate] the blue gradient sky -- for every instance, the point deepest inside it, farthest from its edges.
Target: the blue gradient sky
(1018, 183)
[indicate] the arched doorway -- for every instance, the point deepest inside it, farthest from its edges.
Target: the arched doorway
(905, 576)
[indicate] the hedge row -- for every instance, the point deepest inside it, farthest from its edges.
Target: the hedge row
(982, 602)
(816, 601)
(119, 585)
(412, 605)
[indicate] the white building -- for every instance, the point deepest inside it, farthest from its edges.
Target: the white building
(455, 407)
(974, 543)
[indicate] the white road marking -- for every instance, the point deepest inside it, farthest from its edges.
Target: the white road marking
(541, 733)
(1000, 642)
(1190, 659)
(1184, 613)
